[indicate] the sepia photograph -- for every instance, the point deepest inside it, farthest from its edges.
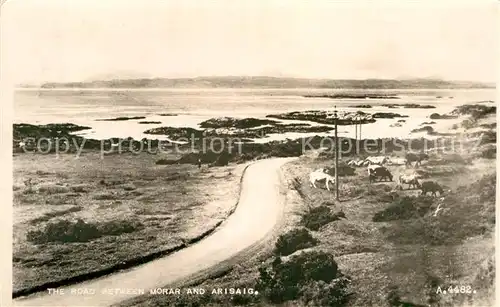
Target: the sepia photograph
(249, 153)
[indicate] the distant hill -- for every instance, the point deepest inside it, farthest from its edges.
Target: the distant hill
(270, 82)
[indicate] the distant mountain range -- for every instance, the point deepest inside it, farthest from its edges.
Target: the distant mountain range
(270, 82)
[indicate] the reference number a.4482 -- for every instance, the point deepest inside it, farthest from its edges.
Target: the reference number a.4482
(455, 290)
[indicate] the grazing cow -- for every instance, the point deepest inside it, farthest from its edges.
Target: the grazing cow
(320, 174)
(377, 171)
(410, 180)
(431, 186)
(415, 157)
(355, 163)
(372, 168)
(380, 160)
(396, 161)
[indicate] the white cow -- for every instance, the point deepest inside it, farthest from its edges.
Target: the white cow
(410, 180)
(397, 161)
(320, 174)
(355, 163)
(380, 160)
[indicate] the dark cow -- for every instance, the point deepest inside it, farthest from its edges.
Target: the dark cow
(415, 157)
(431, 186)
(379, 172)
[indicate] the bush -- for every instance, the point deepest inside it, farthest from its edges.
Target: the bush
(294, 240)
(53, 189)
(489, 153)
(289, 280)
(393, 297)
(166, 162)
(80, 231)
(332, 294)
(405, 208)
(427, 129)
(81, 188)
(476, 111)
(118, 227)
(129, 187)
(472, 207)
(488, 137)
(64, 231)
(222, 159)
(317, 217)
(344, 170)
(467, 124)
(105, 196)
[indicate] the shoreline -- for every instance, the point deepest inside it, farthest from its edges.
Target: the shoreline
(274, 126)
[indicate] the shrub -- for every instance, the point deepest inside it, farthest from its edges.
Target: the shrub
(393, 297)
(79, 188)
(289, 280)
(294, 240)
(332, 294)
(489, 153)
(65, 231)
(129, 187)
(222, 159)
(476, 111)
(105, 196)
(317, 217)
(467, 124)
(471, 206)
(80, 231)
(53, 189)
(344, 170)
(118, 227)
(241, 300)
(488, 137)
(427, 129)
(166, 162)
(405, 208)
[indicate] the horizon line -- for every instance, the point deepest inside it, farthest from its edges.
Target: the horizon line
(430, 78)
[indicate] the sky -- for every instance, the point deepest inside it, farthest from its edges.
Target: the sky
(61, 41)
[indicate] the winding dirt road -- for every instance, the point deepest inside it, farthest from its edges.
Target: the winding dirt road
(259, 209)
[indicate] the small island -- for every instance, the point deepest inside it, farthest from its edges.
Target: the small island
(353, 96)
(121, 118)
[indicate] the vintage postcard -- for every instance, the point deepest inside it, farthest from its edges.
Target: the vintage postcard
(249, 153)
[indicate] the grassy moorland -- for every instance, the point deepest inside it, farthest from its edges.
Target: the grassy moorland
(380, 245)
(75, 216)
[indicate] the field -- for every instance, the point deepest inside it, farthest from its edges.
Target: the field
(381, 244)
(76, 216)
(388, 243)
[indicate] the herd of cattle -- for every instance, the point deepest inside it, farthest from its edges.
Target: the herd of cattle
(378, 172)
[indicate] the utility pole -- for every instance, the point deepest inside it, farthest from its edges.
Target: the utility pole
(356, 119)
(360, 124)
(356, 126)
(335, 116)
